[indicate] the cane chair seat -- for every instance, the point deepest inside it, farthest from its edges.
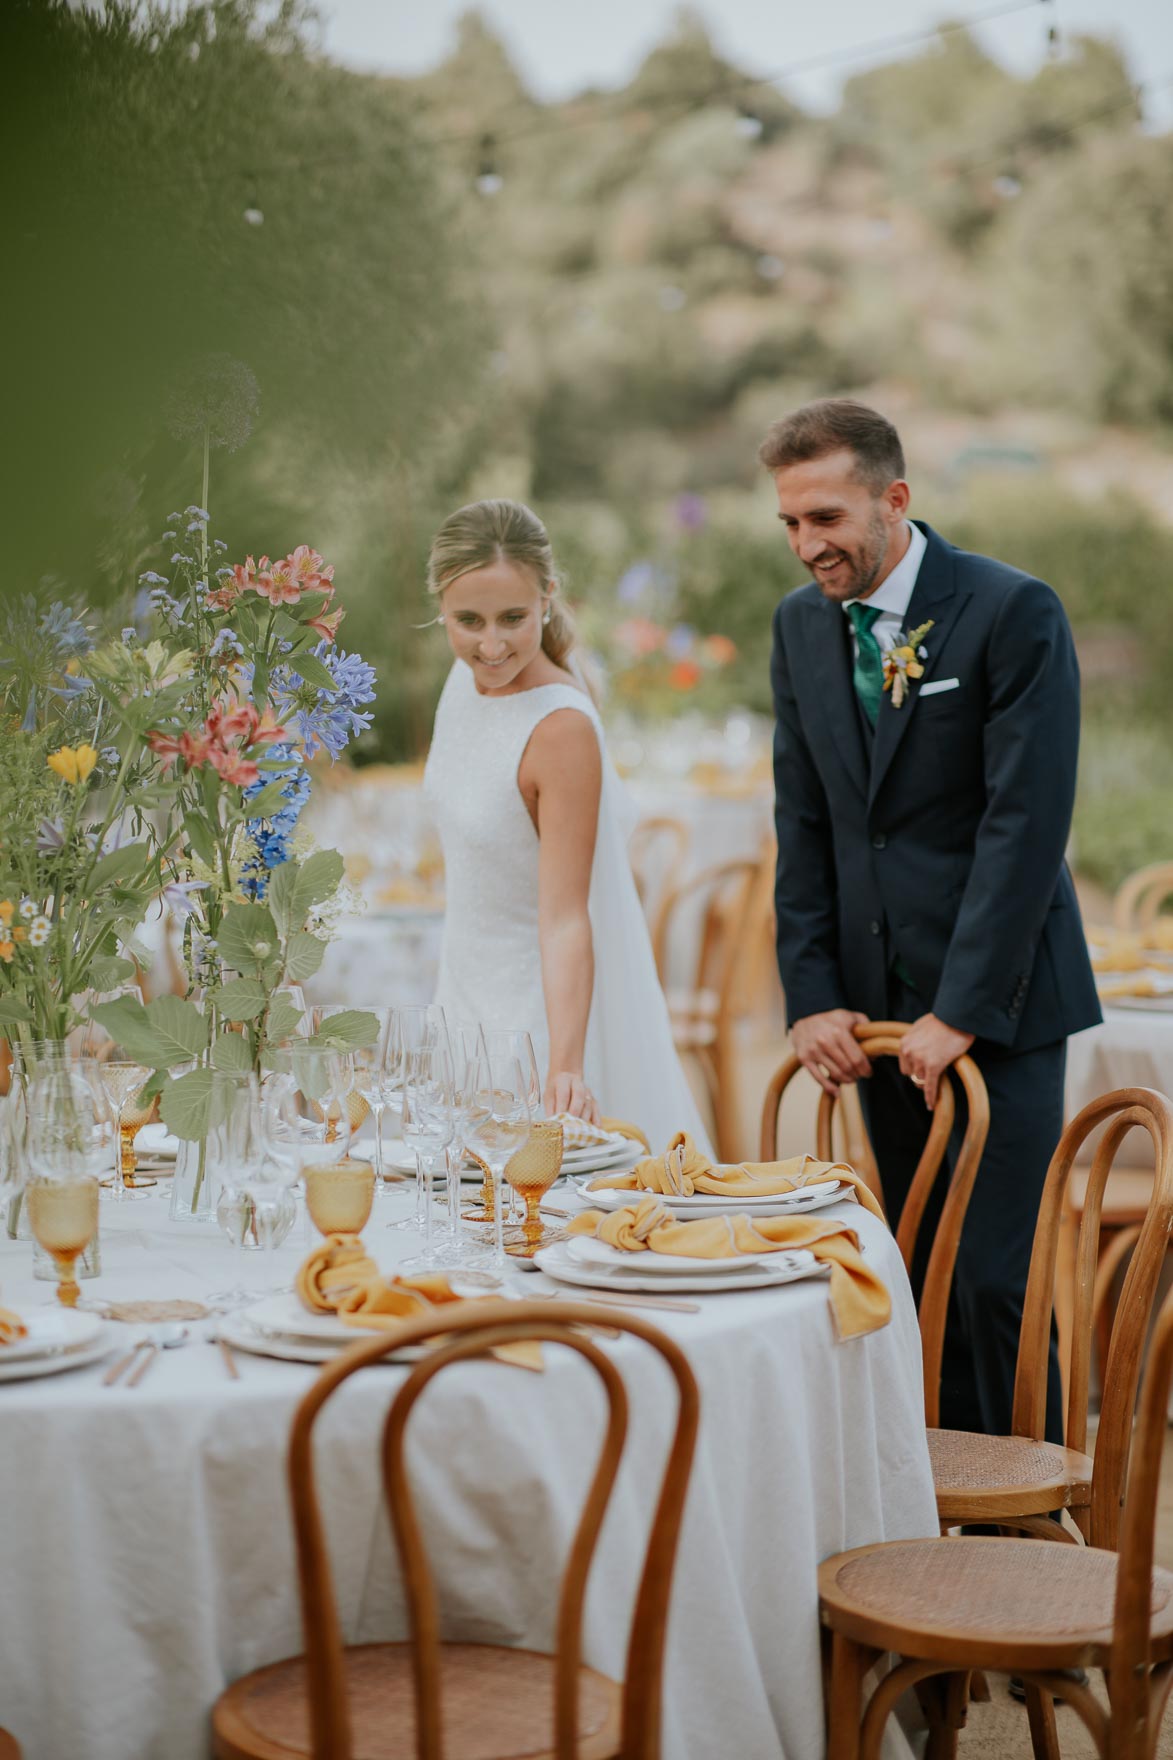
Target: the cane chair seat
(1030, 1478)
(958, 1600)
(498, 1705)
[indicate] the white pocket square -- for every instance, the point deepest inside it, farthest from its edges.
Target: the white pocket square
(939, 684)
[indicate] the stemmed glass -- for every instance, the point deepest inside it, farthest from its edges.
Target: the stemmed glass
(513, 1045)
(531, 1173)
(68, 1138)
(429, 1124)
(305, 1096)
(375, 1075)
(415, 1025)
(124, 1082)
(499, 1120)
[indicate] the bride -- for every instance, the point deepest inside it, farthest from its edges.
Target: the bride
(543, 928)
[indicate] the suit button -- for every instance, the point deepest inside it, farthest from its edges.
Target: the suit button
(880, 840)
(876, 928)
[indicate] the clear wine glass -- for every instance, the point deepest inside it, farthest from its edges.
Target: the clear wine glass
(513, 1044)
(235, 1152)
(415, 1026)
(464, 1038)
(124, 1080)
(429, 1126)
(498, 1124)
(373, 1078)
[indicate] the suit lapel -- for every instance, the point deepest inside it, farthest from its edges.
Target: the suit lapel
(934, 597)
(830, 661)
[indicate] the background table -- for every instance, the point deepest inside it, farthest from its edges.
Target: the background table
(1131, 1048)
(145, 1536)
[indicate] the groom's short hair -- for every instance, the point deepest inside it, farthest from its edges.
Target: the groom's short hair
(837, 424)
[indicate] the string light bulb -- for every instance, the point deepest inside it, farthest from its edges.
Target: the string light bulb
(748, 124)
(488, 179)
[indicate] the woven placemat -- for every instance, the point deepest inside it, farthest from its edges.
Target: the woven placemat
(151, 1312)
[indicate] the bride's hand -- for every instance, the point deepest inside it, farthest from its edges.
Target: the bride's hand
(566, 1091)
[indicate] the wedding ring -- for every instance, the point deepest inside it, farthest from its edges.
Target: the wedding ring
(824, 1072)
(917, 1081)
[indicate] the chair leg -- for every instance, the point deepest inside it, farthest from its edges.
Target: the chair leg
(938, 1697)
(849, 1663)
(1044, 1738)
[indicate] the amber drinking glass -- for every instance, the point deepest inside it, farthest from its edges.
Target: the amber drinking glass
(339, 1196)
(531, 1172)
(68, 1137)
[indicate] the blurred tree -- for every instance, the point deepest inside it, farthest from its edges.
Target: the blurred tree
(198, 183)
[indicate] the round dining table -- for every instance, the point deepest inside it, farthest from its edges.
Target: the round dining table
(148, 1556)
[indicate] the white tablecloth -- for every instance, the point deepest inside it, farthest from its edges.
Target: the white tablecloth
(148, 1559)
(1131, 1048)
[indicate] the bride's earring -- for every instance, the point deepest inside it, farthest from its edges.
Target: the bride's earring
(546, 615)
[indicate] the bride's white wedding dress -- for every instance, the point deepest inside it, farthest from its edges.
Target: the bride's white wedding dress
(490, 964)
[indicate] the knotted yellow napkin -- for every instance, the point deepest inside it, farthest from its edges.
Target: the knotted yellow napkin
(682, 1171)
(860, 1302)
(1121, 958)
(381, 1304)
(333, 1270)
(12, 1327)
(1128, 987)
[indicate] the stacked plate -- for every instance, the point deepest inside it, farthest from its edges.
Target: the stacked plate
(279, 1326)
(591, 1264)
(58, 1339)
(812, 1197)
(156, 1149)
(613, 1157)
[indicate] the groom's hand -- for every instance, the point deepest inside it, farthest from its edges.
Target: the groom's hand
(928, 1048)
(826, 1045)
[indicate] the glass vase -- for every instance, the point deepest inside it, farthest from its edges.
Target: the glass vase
(193, 1194)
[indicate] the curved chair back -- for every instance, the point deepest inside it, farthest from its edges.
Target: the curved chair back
(470, 1330)
(1138, 1698)
(657, 848)
(724, 896)
(1140, 897)
(1122, 1111)
(882, 1039)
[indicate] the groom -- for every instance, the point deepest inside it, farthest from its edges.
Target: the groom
(927, 707)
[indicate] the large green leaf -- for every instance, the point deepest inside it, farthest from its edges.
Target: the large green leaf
(347, 1031)
(186, 1105)
(109, 972)
(303, 956)
(200, 839)
(296, 886)
(243, 999)
(285, 1017)
(129, 1025)
(313, 670)
(121, 866)
(230, 1051)
(248, 937)
(179, 1030)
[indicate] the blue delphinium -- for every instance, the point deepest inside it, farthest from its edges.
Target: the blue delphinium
(272, 836)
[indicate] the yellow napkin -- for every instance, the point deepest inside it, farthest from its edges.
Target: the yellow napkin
(860, 1302)
(1129, 987)
(381, 1304)
(12, 1327)
(333, 1270)
(682, 1171)
(1159, 934)
(1119, 959)
(578, 1134)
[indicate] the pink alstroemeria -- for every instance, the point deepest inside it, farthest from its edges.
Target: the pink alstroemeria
(277, 585)
(223, 597)
(190, 747)
(326, 623)
(231, 767)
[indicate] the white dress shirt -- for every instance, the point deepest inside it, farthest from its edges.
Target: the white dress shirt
(891, 597)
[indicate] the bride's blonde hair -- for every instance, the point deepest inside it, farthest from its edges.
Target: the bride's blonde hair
(485, 532)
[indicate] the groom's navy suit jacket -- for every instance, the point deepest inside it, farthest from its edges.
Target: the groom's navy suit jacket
(938, 840)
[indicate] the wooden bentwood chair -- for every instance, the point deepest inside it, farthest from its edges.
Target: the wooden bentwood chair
(448, 1701)
(9, 1748)
(882, 1039)
(948, 1606)
(1019, 1480)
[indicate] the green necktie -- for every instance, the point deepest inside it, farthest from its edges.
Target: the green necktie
(868, 672)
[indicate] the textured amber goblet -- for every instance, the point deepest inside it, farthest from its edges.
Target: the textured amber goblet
(531, 1172)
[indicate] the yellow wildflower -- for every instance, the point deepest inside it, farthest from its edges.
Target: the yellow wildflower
(7, 949)
(73, 763)
(20, 933)
(6, 910)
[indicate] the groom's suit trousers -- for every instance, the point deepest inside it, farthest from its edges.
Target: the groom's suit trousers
(985, 1308)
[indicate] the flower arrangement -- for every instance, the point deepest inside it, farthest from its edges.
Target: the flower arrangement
(654, 667)
(240, 681)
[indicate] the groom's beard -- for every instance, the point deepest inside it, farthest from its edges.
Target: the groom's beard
(855, 575)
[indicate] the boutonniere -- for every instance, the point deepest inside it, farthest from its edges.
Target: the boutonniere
(903, 661)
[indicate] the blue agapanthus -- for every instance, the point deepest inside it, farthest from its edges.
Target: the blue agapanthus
(326, 720)
(272, 837)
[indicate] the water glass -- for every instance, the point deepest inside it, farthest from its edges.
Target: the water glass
(498, 1125)
(429, 1125)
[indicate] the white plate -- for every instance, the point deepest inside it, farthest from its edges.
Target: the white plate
(812, 1197)
(599, 1153)
(80, 1357)
(156, 1140)
(282, 1316)
(785, 1267)
(51, 1331)
(585, 1250)
(236, 1331)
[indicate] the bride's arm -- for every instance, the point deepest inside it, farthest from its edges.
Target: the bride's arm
(561, 779)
